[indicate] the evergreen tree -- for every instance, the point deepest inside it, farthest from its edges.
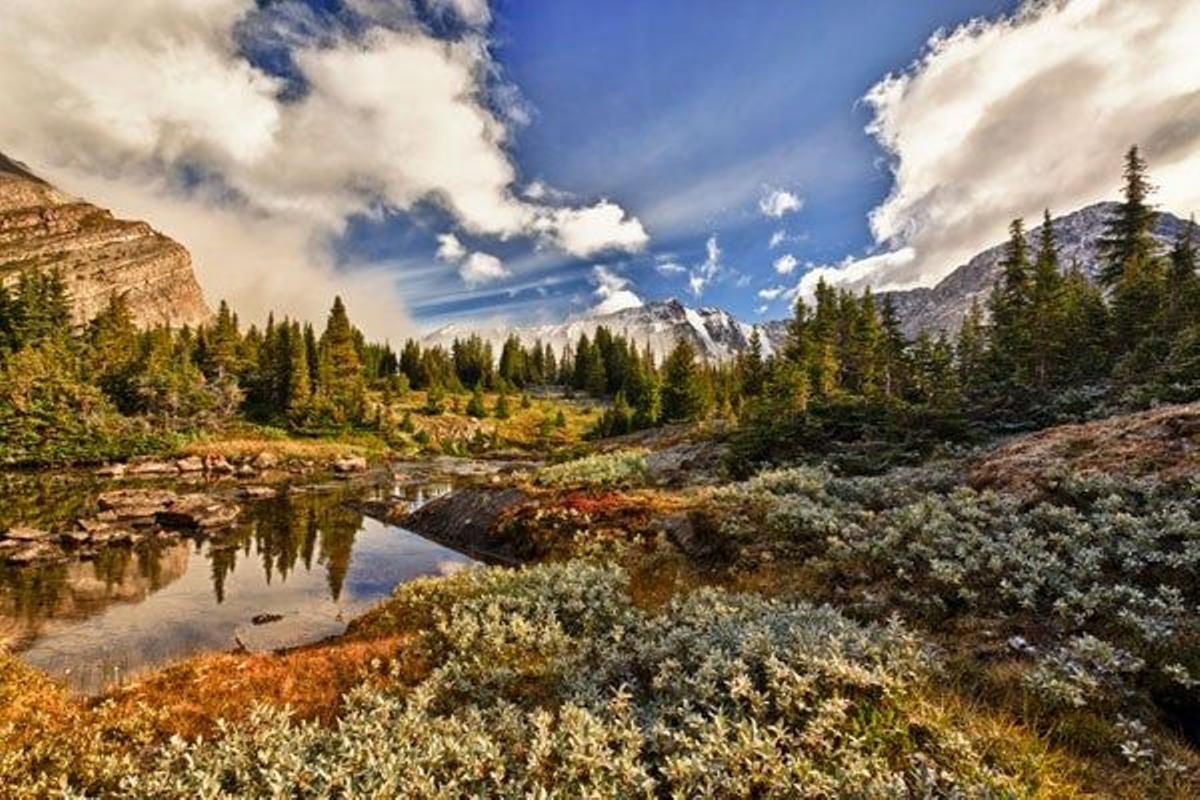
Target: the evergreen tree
(475, 406)
(340, 390)
(1127, 238)
(1011, 341)
(299, 384)
(112, 341)
(1046, 310)
(1183, 284)
(683, 392)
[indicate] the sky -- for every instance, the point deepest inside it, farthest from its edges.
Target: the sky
(451, 160)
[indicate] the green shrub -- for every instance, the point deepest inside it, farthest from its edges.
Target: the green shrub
(621, 468)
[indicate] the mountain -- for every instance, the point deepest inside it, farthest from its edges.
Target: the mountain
(943, 307)
(715, 333)
(98, 255)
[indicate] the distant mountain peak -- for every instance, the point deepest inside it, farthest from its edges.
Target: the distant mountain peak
(715, 333)
(942, 307)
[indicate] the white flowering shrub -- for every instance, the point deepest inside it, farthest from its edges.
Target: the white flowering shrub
(620, 468)
(550, 683)
(1101, 585)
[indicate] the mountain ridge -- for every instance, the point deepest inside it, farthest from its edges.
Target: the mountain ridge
(97, 254)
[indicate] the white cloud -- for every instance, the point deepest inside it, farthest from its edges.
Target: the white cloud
(705, 273)
(480, 268)
(584, 232)
(772, 293)
(1001, 119)
(613, 291)
(450, 248)
(135, 91)
(777, 238)
(472, 12)
(785, 264)
(854, 272)
(761, 309)
(777, 202)
(669, 268)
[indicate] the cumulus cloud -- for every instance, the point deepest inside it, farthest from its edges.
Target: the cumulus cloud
(1000, 119)
(140, 92)
(450, 248)
(480, 268)
(612, 291)
(777, 202)
(772, 292)
(785, 264)
(707, 271)
(854, 272)
(587, 231)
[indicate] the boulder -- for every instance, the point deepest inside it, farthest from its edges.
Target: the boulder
(265, 460)
(33, 553)
(466, 520)
(257, 492)
(348, 464)
(269, 633)
(246, 471)
(190, 464)
(111, 470)
(151, 468)
(217, 465)
(134, 506)
(197, 511)
(25, 534)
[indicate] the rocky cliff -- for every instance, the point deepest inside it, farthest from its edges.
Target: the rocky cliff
(97, 255)
(944, 306)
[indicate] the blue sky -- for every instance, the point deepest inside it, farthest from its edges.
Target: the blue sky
(685, 113)
(439, 160)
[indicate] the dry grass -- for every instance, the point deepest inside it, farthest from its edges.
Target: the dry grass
(241, 446)
(195, 693)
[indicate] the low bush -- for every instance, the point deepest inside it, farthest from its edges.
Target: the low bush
(621, 468)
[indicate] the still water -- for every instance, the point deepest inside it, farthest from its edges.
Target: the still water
(305, 555)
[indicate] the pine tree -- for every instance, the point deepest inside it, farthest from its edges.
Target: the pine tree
(475, 406)
(1183, 284)
(1127, 238)
(299, 384)
(683, 392)
(1010, 351)
(970, 354)
(1046, 310)
(112, 340)
(340, 386)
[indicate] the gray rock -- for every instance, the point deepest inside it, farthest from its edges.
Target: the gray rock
(217, 465)
(350, 464)
(190, 464)
(284, 632)
(197, 511)
(265, 460)
(151, 468)
(257, 492)
(25, 534)
(34, 553)
(246, 471)
(111, 470)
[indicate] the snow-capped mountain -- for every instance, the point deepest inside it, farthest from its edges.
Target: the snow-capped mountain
(943, 307)
(715, 333)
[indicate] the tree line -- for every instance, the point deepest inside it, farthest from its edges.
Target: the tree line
(1049, 344)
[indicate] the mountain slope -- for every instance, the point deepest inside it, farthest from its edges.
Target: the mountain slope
(98, 255)
(714, 332)
(943, 307)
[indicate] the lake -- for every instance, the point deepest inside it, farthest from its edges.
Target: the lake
(305, 556)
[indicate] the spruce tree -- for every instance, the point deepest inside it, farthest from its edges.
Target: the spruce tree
(1010, 352)
(683, 395)
(299, 384)
(1183, 284)
(1046, 310)
(340, 384)
(1127, 237)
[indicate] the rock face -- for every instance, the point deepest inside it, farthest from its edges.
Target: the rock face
(465, 520)
(943, 307)
(98, 255)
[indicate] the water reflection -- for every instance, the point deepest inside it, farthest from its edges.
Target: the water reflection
(131, 608)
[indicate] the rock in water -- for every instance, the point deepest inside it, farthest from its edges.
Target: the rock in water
(350, 464)
(97, 254)
(284, 632)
